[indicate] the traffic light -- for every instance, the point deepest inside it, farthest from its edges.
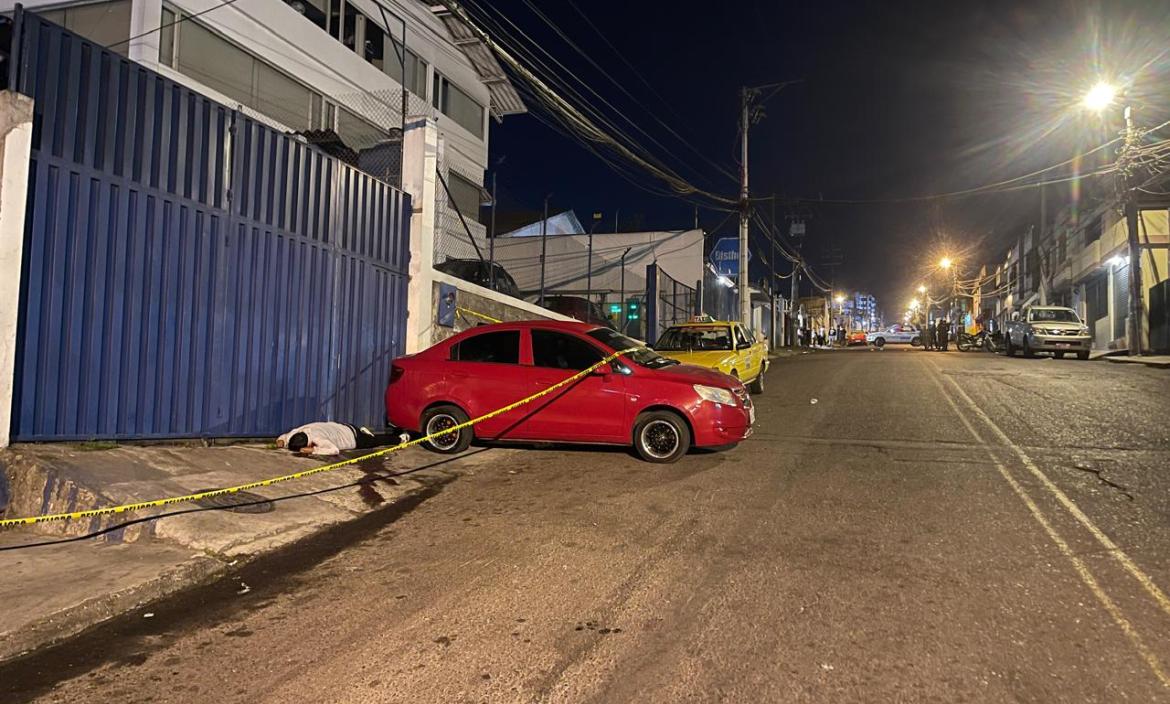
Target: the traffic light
(633, 310)
(615, 308)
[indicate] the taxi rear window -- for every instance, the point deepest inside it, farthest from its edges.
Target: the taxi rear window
(695, 338)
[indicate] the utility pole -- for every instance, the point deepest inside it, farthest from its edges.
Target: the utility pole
(625, 308)
(1136, 304)
(772, 277)
(745, 296)
(543, 246)
(589, 263)
(492, 239)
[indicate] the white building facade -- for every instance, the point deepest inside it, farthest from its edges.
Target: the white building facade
(319, 66)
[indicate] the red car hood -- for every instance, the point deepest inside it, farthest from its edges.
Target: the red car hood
(693, 374)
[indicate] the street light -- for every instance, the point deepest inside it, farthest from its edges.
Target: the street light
(1100, 96)
(945, 263)
(922, 289)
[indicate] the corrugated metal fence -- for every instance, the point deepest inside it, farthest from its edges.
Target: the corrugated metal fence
(187, 270)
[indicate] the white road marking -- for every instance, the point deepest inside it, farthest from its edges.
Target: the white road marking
(1079, 565)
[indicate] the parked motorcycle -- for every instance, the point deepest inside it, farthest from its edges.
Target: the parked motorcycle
(969, 343)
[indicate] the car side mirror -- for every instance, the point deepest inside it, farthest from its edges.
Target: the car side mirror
(603, 370)
(743, 345)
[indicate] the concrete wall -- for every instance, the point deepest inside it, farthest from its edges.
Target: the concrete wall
(483, 301)
(15, 150)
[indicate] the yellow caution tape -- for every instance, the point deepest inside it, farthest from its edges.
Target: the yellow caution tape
(154, 503)
(488, 318)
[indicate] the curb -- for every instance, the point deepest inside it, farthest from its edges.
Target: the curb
(75, 619)
(197, 571)
(1154, 364)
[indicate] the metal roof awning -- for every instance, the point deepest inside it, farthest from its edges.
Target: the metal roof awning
(504, 98)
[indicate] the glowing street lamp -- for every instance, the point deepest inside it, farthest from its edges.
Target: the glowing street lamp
(1100, 96)
(921, 288)
(914, 304)
(840, 299)
(945, 263)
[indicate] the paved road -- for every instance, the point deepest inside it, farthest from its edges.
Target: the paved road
(936, 527)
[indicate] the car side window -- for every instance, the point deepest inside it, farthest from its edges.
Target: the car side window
(740, 337)
(502, 347)
(560, 351)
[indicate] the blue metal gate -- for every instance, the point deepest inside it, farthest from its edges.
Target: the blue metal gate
(189, 271)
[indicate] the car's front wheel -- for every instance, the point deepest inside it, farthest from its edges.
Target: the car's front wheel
(879, 342)
(437, 424)
(661, 437)
(1083, 355)
(757, 386)
(916, 341)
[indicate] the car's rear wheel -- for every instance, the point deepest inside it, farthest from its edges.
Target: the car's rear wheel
(661, 437)
(757, 386)
(916, 341)
(438, 422)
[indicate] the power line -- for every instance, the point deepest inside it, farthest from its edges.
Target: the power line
(568, 40)
(576, 120)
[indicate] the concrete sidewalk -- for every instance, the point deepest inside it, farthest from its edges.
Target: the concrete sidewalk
(71, 582)
(1156, 361)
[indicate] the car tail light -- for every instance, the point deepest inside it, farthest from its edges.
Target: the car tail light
(396, 373)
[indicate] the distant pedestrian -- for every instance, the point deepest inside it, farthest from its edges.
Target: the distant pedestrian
(927, 334)
(329, 438)
(942, 333)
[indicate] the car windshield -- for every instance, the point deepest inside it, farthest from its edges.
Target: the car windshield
(642, 354)
(1054, 315)
(690, 338)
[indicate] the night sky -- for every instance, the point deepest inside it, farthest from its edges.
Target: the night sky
(897, 99)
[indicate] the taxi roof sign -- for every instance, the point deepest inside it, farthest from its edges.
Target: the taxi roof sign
(701, 319)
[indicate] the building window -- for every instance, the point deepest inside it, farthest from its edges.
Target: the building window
(416, 69)
(166, 38)
(356, 132)
(228, 69)
(316, 11)
(1093, 231)
(457, 105)
(465, 196)
(103, 23)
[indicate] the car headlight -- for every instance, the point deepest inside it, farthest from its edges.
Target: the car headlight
(715, 394)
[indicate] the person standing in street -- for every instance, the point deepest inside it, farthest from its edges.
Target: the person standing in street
(942, 334)
(927, 335)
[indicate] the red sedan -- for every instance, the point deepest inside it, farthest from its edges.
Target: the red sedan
(641, 398)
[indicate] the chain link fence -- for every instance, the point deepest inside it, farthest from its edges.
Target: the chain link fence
(368, 135)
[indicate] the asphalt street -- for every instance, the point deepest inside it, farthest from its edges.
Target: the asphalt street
(903, 526)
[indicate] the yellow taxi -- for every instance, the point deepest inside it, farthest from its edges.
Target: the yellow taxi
(730, 347)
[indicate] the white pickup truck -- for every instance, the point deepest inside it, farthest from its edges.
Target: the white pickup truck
(1047, 329)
